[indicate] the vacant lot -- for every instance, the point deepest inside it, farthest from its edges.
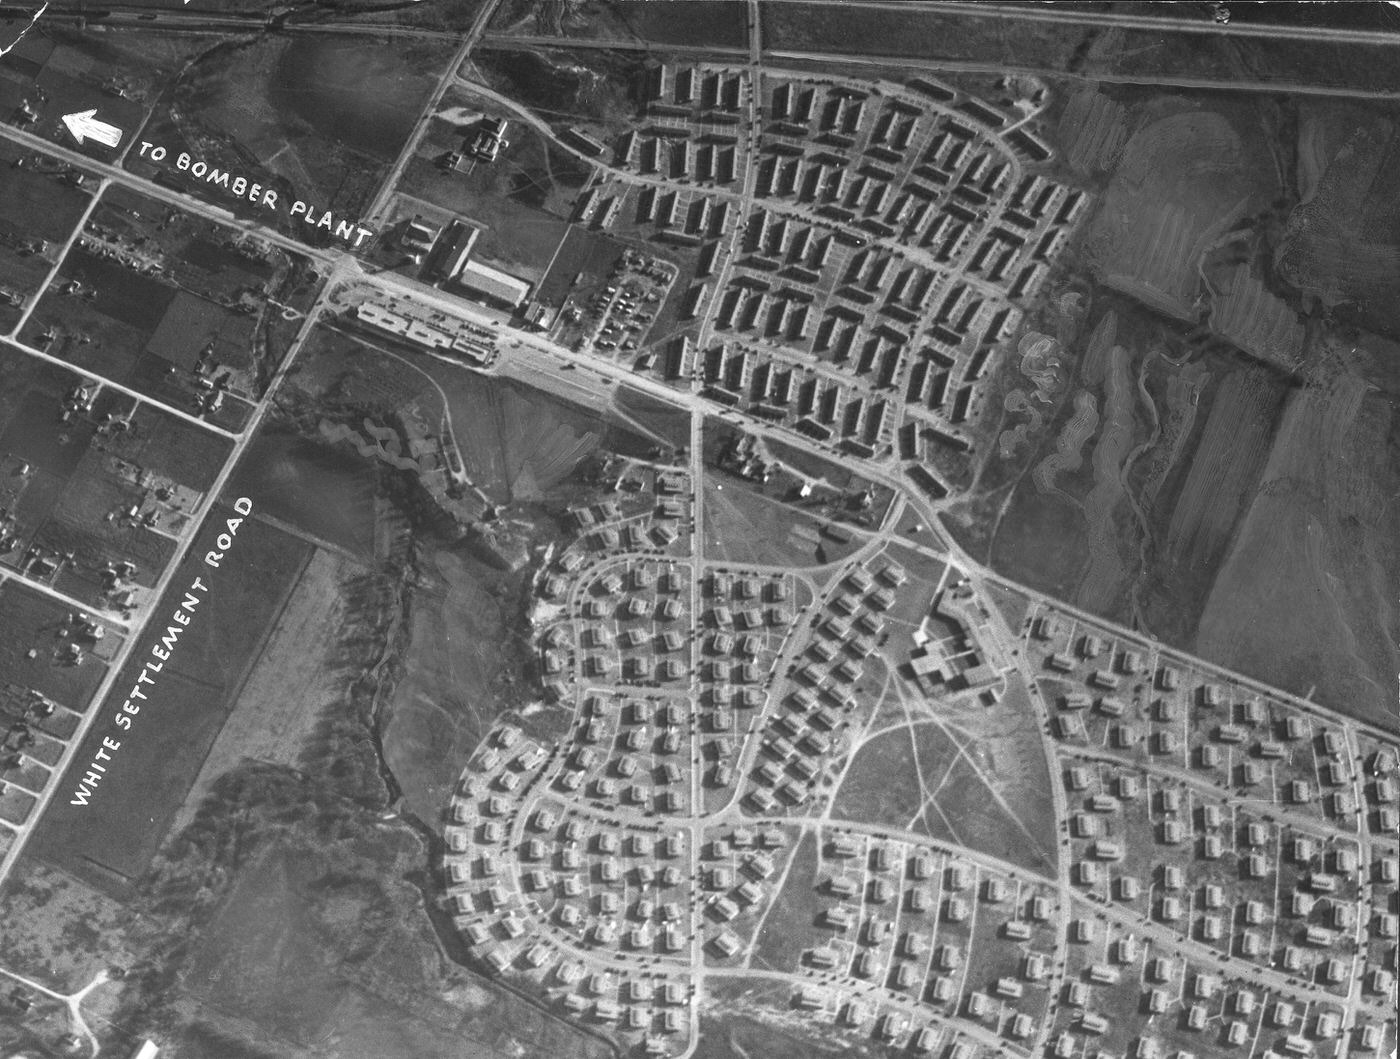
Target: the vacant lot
(744, 526)
(669, 424)
(464, 663)
(315, 118)
(520, 444)
(791, 921)
(599, 88)
(58, 931)
(975, 777)
(581, 266)
(739, 1023)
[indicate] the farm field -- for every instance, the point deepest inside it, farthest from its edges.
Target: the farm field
(299, 679)
(1126, 451)
(1200, 514)
(1183, 179)
(324, 491)
(1136, 481)
(46, 76)
(110, 842)
(1328, 629)
(1149, 53)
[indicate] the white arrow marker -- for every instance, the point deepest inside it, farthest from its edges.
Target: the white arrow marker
(85, 126)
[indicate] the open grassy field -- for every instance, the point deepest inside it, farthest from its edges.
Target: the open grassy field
(745, 526)
(59, 931)
(450, 14)
(315, 118)
(599, 88)
(697, 23)
(1038, 542)
(976, 777)
(664, 421)
(768, 519)
(110, 841)
(1342, 241)
(464, 661)
(326, 492)
(923, 34)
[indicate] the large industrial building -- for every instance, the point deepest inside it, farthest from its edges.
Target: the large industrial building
(453, 264)
(492, 284)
